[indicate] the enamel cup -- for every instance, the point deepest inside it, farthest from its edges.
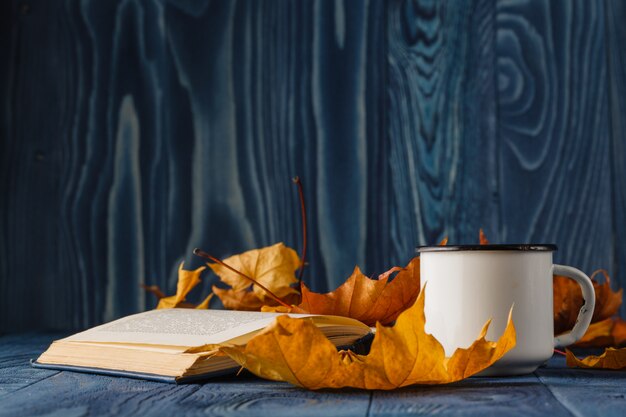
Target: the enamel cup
(468, 285)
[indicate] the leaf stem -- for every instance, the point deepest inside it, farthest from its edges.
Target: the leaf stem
(482, 238)
(201, 253)
(298, 183)
(560, 352)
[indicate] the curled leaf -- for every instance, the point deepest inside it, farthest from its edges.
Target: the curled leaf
(401, 355)
(611, 359)
(187, 280)
(273, 266)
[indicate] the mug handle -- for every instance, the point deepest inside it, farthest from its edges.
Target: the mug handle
(586, 311)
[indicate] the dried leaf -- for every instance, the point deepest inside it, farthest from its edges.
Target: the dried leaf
(568, 300)
(482, 238)
(598, 334)
(367, 300)
(248, 301)
(608, 302)
(204, 305)
(187, 280)
(401, 355)
(273, 266)
(610, 332)
(619, 332)
(611, 359)
(238, 300)
(154, 290)
(566, 304)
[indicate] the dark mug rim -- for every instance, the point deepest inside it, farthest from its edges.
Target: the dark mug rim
(521, 247)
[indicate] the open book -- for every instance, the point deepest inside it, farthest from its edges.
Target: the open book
(176, 345)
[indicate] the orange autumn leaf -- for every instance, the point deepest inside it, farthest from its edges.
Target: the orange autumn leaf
(246, 300)
(401, 355)
(605, 333)
(611, 359)
(273, 267)
(368, 300)
(154, 290)
(482, 238)
(608, 302)
(598, 334)
(187, 280)
(568, 301)
(619, 332)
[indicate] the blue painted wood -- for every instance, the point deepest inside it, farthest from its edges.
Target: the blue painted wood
(586, 392)
(133, 132)
(524, 395)
(67, 393)
(616, 80)
(164, 143)
(15, 352)
(554, 390)
(553, 117)
(441, 122)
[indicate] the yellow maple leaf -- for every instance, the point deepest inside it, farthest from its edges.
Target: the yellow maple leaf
(273, 266)
(187, 280)
(611, 359)
(401, 355)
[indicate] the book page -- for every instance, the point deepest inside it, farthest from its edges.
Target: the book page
(179, 327)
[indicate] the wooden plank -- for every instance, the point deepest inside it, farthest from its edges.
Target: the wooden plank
(585, 392)
(441, 119)
(511, 396)
(8, 43)
(164, 127)
(28, 391)
(553, 123)
(616, 80)
(15, 353)
(99, 395)
(554, 390)
(27, 170)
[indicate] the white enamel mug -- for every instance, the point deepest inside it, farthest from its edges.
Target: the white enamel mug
(468, 285)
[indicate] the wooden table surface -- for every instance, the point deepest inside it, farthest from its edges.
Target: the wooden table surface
(554, 390)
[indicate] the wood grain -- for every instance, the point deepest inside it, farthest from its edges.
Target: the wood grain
(68, 394)
(585, 392)
(441, 122)
(151, 142)
(554, 390)
(553, 129)
(476, 396)
(16, 351)
(616, 39)
(133, 132)
(108, 396)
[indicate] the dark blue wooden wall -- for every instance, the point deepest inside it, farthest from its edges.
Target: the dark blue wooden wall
(134, 131)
